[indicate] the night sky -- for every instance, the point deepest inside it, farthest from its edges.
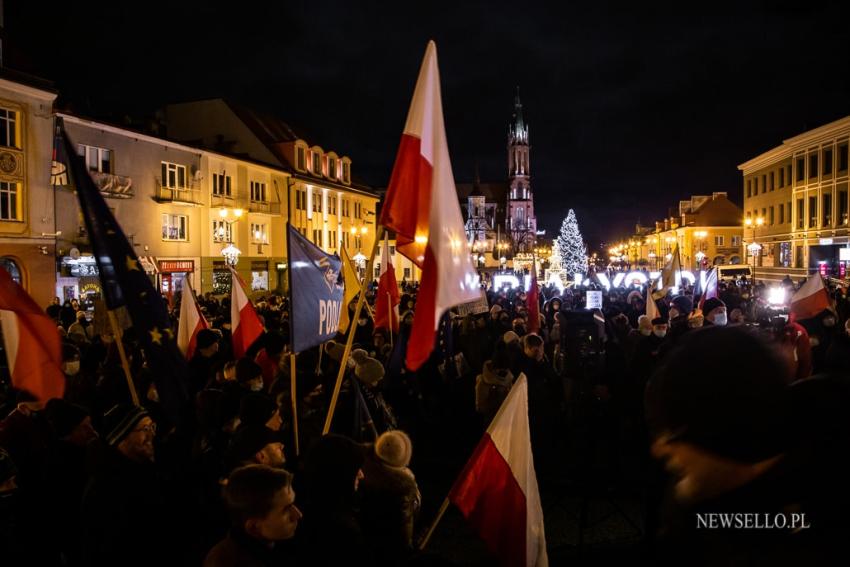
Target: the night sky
(630, 108)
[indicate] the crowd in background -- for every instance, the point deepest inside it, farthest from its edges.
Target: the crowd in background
(740, 404)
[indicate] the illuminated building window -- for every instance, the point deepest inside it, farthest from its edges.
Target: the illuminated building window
(9, 128)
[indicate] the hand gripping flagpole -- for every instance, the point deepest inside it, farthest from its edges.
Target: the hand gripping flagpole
(361, 299)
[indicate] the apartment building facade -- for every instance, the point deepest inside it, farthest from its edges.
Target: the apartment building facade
(796, 197)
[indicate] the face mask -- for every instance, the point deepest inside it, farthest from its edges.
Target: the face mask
(720, 319)
(646, 332)
(257, 386)
(829, 322)
(660, 334)
(71, 368)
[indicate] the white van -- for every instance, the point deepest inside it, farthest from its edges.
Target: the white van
(734, 271)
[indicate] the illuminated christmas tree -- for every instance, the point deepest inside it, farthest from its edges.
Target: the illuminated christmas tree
(571, 247)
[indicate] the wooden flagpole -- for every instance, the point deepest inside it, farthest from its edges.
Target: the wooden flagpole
(293, 394)
(119, 342)
(391, 313)
(351, 328)
(443, 507)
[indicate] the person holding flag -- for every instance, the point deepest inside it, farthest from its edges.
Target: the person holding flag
(191, 322)
(387, 300)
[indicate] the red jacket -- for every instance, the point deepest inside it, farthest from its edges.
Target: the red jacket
(797, 351)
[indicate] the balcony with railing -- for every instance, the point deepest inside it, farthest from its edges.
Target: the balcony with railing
(264, 207)
(189, 194)
(222, 200)
(113, 186)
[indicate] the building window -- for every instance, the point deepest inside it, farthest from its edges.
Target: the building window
(346, 209)
(174, 227)
(842, 207)
(97, 159)
(346, 172)
(221, 184)
(357, 210)
(827, 209)
(10, 202)
(332, 205)
(301, 199)
(749, 187)
(813, 212)
(771, 216)
(358, 242)
(331, 168)
(259, 234)
(764, 183)
(755, 185)
(718, 240)
(258, 192)
(781, 213)
(827, 161)
(317, 163)
(801, 168)
(9, 128)
(736, 240)
(801, 214)
(345, 239)
(763, 212)
(813, 165)
(407, 273)
(842, 157)
(317, 237)
(317, 202)
(331, 239)
(173, 175)
(221, 231)
(771, 181)
(12, 268)
(300, 159)
(781, 177)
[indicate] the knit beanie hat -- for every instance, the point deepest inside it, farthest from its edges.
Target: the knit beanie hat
(256, 409)
(711, 304)
(247, 370)
(510, 337)
(334, 350)
(683, 303)
(249, 440)
(120, 421)
(394, 448)
(369, 371)
(736, 411)
(206, 338)
(359, 355)
(63, 416)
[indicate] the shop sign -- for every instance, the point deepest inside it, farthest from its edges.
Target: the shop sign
(171, 266)
(259, 266)
(825, 241)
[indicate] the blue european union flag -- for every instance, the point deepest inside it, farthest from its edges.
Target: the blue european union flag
(125, 283)
(315, 288)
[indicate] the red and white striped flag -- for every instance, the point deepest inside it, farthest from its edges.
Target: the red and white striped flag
(421, 206)
(497, 490)
(386, 304)
(811, 299)
(245, 326)
(32, 343)
(190, 323)
(710, 287)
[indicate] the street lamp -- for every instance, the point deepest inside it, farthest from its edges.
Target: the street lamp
(699, 235)
(229, 217)
(754, 248)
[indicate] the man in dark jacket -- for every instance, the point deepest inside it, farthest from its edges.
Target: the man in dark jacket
(205, 362)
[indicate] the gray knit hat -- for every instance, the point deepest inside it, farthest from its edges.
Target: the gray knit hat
(120, 421)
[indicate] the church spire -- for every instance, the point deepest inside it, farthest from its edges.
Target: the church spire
(518, 130)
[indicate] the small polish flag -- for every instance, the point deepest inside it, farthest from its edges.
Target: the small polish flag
(245, 326)
(32, 344)
(421, 206)
(497, 490)
(811, 299)
(386, 303)
(190, 323)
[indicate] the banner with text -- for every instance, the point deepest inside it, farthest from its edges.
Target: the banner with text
(316, 289)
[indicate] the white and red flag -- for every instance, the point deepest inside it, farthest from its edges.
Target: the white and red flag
(532, 301)
(245, 326)
(811, 299)
(497, 490)
(190, 323)
(421, 206)
(386, 303)
(710, 287)
(32, 343)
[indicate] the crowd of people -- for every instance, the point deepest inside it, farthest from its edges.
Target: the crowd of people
(729, 406)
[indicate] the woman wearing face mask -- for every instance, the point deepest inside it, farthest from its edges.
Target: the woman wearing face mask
(715, 312)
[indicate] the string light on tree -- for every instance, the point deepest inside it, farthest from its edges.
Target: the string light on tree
(571, 247)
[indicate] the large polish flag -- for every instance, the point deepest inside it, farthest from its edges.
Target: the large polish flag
(811, 299)
(245, 326)
(421, 206)
(497, 490)
(710, 287)
(386, 304)
(190, 323)
(32, 343)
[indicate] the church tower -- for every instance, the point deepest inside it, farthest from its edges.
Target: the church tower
(521, 224)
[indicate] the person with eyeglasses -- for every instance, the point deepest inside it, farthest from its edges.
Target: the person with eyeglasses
(126, 518)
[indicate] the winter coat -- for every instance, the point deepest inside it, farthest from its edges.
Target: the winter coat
(240, 550)
(491, 389)
(390, 504)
